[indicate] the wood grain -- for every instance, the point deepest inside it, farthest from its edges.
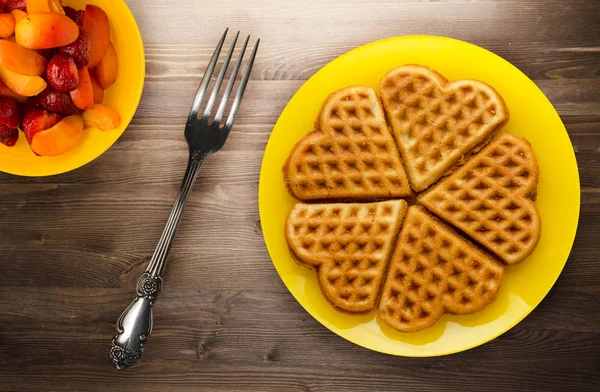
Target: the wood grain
(65, 281)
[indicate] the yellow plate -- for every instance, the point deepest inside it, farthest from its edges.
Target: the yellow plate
(532, 116)
(123, 96)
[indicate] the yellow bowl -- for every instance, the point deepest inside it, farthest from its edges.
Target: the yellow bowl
(532, 116)
(124, 96)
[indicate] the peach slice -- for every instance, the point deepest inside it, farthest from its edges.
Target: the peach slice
(9, 93)
(96, 24)
(7, 25)
(45, 31)
(108, 67)
(24, 85)
(18, 15)
(56, 6)
(102, 117)
(37, 6)
(18, 59)
(83, 95)
(37, 120)
(98, 91)
(58, 139)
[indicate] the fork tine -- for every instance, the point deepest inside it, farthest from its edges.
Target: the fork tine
(229, 88)
(219, 82)
(240, 93)
(206, 78)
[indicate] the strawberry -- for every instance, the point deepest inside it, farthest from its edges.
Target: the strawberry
(38, 120)
(75, 15)
(58, 102)
(15, 5)
(61, 73)
(9, 112)
(80, 49)
(8, 136)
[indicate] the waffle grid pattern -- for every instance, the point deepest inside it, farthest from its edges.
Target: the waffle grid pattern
(349, 244)
(435, 122)
(433, 271)
(352, 154)
(487, 198)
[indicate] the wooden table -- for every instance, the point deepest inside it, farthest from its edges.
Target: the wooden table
(72, 246)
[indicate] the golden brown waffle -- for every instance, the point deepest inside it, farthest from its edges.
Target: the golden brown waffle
(434, 271)
(350, 246)
(436, 122)
(489, 198)
(350, 156)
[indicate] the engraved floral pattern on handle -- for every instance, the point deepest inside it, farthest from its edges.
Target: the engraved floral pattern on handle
(149, 286)
(123, 357)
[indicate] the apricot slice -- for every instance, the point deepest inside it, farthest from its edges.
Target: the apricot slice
(37, 6)
(58, 139)
(45, 31)
(18, 15)
(5, 91)
(24, 85)
(83, 95)
(96, 24)
(98, 91)
(7, 25)
(102, 117)
(108, 67)
(56, 6)
(37, 120)
(18, 59)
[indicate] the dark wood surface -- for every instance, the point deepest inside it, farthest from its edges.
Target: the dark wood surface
(72, 246)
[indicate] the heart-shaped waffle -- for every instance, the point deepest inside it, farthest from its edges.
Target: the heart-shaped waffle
(433, 271)
(350, 156)
(490, 198)
(350, 246)
(436, 122)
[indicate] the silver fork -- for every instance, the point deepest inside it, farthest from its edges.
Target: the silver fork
(204, 138)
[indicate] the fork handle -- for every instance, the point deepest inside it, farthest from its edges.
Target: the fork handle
(135, 324)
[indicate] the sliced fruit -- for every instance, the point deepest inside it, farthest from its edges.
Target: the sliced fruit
(96, 24)
(80, 49)
(46, 30)
(5, 91)
(9, 112)
(37, 6)
(10, 5)
(102, 117)
(62, 73)
(108, 68)
(60, 138)
(7, 25)
(57, 102)
(56, 6)
(75, 15)
(83, 95)
(38, 120)
(98, 91)
(18, 59)
(24, 85)
(8, 136)
(18, 15)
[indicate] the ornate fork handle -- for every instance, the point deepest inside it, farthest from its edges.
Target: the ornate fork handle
(135, 324)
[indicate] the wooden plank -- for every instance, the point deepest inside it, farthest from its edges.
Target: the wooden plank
(65, 280)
